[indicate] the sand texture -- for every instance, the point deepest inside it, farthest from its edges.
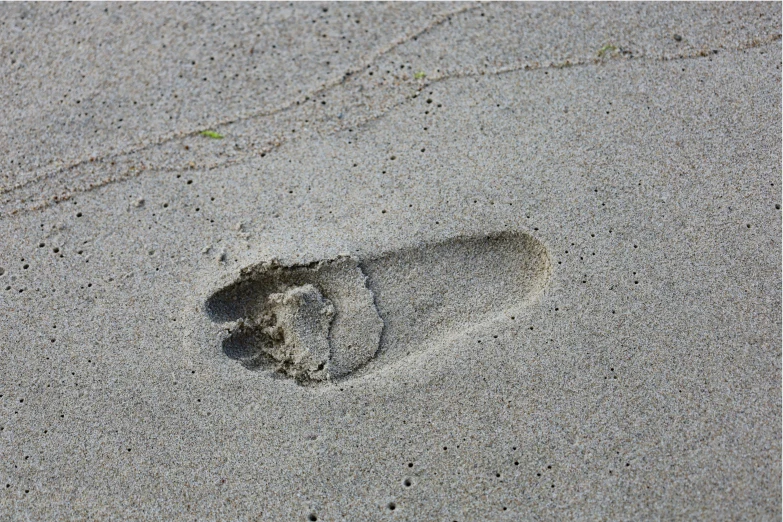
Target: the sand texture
(390, 261)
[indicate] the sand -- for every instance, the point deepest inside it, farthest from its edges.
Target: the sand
(430, 262)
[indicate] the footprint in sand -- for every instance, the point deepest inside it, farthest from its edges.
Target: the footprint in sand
(329, 319)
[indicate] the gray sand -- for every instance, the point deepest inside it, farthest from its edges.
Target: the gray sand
(448, 261)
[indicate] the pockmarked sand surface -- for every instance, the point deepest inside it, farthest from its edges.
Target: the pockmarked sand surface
(390, 261)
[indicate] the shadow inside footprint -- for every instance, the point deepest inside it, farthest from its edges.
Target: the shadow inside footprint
(328, 319)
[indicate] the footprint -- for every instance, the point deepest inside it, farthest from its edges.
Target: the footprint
(342, 317)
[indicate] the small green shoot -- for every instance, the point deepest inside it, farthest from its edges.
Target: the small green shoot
(606, 49)
(212, 134)
(419, 75)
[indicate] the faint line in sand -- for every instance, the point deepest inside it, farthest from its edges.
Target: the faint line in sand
(261, 114)
(280, 140)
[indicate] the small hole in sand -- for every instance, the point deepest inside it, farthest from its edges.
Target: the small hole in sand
(392, 506)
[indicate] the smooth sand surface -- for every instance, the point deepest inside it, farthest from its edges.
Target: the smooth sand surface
(447, 262)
